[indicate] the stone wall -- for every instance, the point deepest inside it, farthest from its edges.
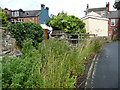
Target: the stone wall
(8, 44)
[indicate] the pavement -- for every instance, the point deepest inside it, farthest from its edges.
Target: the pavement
(103, 72)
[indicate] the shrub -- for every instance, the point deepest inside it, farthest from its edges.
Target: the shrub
(70, 24)
(3, 19)
(23, 31)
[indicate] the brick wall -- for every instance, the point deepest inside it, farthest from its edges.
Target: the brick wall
(31, 19)
(112, 34)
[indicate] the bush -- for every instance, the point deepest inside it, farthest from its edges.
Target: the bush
(70, 24)
(23, 31)
(3, 19)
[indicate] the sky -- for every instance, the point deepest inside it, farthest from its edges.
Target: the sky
(72, 7)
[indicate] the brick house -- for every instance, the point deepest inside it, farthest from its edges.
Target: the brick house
(114, 24)
(34, 16)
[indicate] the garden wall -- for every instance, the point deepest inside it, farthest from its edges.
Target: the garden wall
(8, 44)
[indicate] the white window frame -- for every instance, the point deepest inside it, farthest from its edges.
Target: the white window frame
(112, 22)
(17, 13)
(12, 14)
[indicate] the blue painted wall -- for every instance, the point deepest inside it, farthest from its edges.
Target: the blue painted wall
(44, 16)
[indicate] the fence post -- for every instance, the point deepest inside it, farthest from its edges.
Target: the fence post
(78, 40)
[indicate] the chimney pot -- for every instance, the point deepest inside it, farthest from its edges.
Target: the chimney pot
(87, 6)
(47, 8)
(42, 5)
(108, 6)
(6, 9)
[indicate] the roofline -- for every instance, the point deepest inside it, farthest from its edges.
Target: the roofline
(25, 10)
(114, 18)
(94, 17)
(32, 10)
(22, 17)
(96, 8)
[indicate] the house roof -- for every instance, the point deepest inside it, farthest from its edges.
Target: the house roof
(93, 15)
(97, 9)
(30, 13)
(114, 14)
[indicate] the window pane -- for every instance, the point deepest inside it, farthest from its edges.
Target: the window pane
(112, 22)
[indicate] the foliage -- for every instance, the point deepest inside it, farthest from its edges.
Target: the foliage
(53, 65)
(23, 31)
(3, 18)
(62, 13)
(70, 24)
(91, 46)
(117, 5)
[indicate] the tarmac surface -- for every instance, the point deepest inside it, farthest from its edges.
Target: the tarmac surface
(104, 72)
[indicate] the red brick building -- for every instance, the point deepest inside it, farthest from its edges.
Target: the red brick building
(34, 16)
(114, 24)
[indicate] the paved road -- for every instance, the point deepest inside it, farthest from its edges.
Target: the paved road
(105, 69)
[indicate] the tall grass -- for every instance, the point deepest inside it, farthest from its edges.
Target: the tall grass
(53, 65)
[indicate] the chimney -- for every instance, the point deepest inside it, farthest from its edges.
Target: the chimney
(42, 7)
(47, 8)
(6, 9)
(87, 6)
(108, 6)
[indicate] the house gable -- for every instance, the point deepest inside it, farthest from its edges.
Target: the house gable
(44, 16)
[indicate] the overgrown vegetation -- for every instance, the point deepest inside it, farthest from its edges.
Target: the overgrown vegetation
(70, 24)
(3, 18)
(23, 31)
(53, 65)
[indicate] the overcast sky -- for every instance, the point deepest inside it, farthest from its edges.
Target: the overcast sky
(72, 7)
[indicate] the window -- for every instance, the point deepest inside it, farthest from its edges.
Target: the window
(12, 14)
(22, 20)
(103, 14)
(17, 13)
(113, 29)
(30, 19)
(112, 22)
(27, 14)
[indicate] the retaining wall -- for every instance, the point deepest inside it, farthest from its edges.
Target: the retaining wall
(8, 44)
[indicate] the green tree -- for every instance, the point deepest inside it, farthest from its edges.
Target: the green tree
(70, 24)
(24, 31)
(117, 5)
(62, 12)
(3, 19)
